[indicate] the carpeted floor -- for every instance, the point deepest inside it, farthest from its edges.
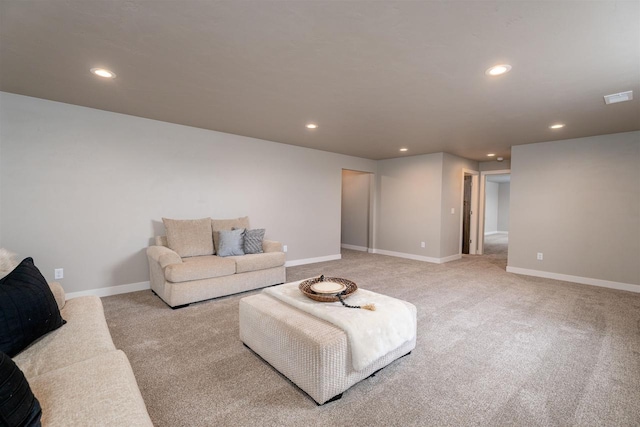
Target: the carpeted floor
(493, 349)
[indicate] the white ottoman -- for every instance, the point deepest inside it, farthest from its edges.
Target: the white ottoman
(312, 353)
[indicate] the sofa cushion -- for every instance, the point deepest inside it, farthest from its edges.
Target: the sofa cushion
(28, 309)
(254, 262)
(253, 241)
(189, 237)
(227, 224)
(96, 392)
(231, 242)
(18, 405)
(202, 267)
(85, 335)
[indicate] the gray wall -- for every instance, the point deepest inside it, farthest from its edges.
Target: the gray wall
(415, 197)
(491, 191)
(578, 202)
(355, 208)
(504, 191)
(85, 190)
(409, 200)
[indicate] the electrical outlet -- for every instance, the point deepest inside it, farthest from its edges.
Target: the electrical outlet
(423, 245)
(58, 273)
(539, 256)
(453, 211)
(284, 248)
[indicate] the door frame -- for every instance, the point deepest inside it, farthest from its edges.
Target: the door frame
(371, 211)
(473, 228)
(483, 184)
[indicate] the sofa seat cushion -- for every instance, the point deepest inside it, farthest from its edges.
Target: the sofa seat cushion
(95, 392)
(201, 267)
(84, 336)
(254, 262)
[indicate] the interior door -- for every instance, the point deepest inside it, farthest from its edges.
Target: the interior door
(466, 215)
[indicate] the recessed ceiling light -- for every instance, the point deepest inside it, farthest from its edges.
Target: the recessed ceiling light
(557, 126)
(497, 70)
(490, 155)
(404, 149)
(102, 72)
(312, 126)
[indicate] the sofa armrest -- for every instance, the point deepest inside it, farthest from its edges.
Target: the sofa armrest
(58, 293)
(271, 246)
(163, 255)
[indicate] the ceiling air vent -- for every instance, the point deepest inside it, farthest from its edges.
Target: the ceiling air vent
(618, 97)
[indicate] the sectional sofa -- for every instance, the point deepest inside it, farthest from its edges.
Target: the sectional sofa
(78, 375)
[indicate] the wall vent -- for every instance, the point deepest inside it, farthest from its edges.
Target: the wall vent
(618, 97)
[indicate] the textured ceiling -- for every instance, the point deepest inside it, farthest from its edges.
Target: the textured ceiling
(375, 76)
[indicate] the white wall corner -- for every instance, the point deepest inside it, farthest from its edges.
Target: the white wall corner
(576, 279)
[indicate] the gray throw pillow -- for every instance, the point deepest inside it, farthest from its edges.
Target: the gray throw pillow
(231, 242)
(253, 241)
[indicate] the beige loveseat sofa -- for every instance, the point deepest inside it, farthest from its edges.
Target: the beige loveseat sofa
(202, 275)
(76, 373)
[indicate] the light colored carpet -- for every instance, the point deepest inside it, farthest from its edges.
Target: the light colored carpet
(493, 349)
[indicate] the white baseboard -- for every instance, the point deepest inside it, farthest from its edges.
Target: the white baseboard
(295, 262)
(112, 290)
(417, 257)
(489, 233)
(354, 247)
(576, 279)
(450, 258)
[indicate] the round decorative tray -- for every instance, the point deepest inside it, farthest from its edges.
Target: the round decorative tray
(326, 288)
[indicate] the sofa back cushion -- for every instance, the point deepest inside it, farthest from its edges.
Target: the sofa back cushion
(189, 237)
(8, 261)
(227, 224)
(162, 241)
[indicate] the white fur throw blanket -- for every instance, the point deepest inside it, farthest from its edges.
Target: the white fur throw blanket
(371, 334)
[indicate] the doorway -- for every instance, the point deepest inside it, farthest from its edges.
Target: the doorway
(469, 214)
(356, 228)
(493, 232)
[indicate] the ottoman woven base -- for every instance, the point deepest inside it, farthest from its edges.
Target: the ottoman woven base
(314, 354)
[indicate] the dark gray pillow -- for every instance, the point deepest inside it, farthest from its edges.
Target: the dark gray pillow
(28, 309)
(253, 241)
(231, 242)
(18, 405)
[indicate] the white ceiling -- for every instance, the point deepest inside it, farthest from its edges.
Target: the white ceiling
(375, 76)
